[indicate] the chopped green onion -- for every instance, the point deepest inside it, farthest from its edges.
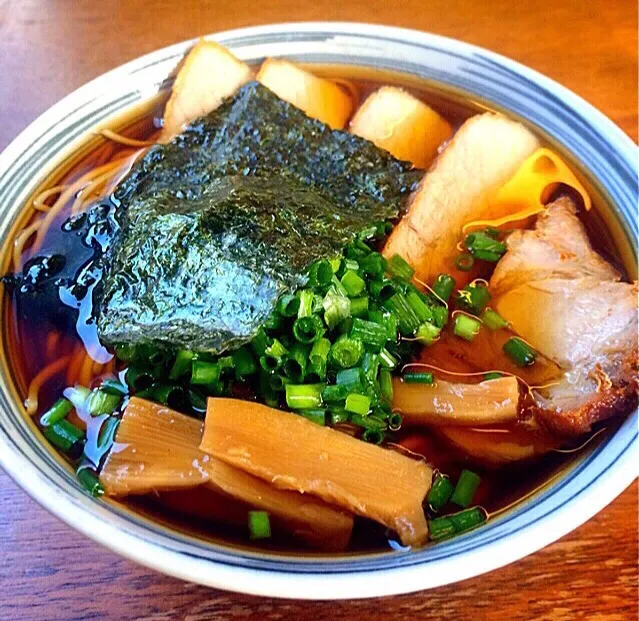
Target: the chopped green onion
(273, 322)
(353, 378)
(335, 392)
(373, 264)
(197, 401)
(440, 316)
(295, 365)
(353, 283)
(398, 267)
(359, 306)
(382, 289)
(103, 403)
(492, 375)
(373, 436)
(203, 372)
(320, 274)
(427, 333)
(444, 285)
(351, 264)
(306, 303)
(370, 365)
(369, 333)
(78, 395)
(464, 262)
(484, 247)
(338, 415)
(466, 327)
(288, 305)
(418, 377)
(386, 385)
(261, 341)
(387, 360)
(89, 480)
(465, 489)
(277, 382)
(395, 421)
(407, 320)
(317, 416)
(465, 520)
(243, 362)
(319, 357)
(440, 492)
(358, 404)
(259, 525)
(367, 422)
(304, 396)
(346, 351)
(522, 354)
(63, 435)
(308, 329)
(417, 302)
(169, 395)
(114, 387)
(473, 298)
(441, 528)
(493, 320)
(126, 352)
(138, 379)
(56, 412)
(336, 308)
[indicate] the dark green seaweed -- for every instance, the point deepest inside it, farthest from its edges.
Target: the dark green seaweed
(216, 225)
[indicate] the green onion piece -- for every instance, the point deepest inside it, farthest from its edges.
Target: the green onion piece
(261, 341)
(473, 298)
(370, 365)
(427, 333)
(398, 267)
(441, 528)
(466, 327)
(358, 404)
(418, 377)
(493, 320)
(308, 329)
(359, 306)
(443, 286)
(418, 304)
(369, 333)
(152, 354)
(169, 395)
(522, 354)
(351, 264)
(367, 422)
(288, 305)
(182, 364)
(484, 247)
(353, 283)
(492, 375)
(336, 308)
(63, 435)
(114, 387)
(374, 264)
(465, 489)
(273, 322)
(395, 421)
(56, 412)
(306, 303)
(319, 357)
(346, 351)
(138, 379)
(387, 360)
(89, 480)
(304, 396)
(352, 378)
(440, 492)
(197, 401)
(106, 435)
(243, 362)
(464, 262)
(335, 392)
(465, 520)
(320, 274)
(382, 289)
(297, 362)
(103, 403)
(373, 436)
(315, 416)
(386, 319)
(386, 385)
(203, 372)
(277, 382)
(407, 320)
(338, 415)
(126, 352)
(336, 263)
(259, 525)
(78, 395)
(440, 316)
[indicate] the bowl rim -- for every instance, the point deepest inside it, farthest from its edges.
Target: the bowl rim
(100, 526)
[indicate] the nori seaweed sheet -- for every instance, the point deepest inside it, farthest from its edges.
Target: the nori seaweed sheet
(217, 224)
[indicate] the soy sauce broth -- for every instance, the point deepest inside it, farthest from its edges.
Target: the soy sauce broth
(31, 341)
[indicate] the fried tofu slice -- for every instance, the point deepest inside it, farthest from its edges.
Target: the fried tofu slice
(483, 155)
(396, 121)
(319, 98)
(208, 74)
(584, 319)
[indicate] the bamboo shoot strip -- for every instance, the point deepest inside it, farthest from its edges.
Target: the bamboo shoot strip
(293, 453)
(157, 449)
(446, 403)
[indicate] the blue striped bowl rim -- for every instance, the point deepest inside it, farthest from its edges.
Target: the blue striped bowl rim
(598, 147)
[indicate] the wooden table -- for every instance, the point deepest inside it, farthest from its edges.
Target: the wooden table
(49, 47)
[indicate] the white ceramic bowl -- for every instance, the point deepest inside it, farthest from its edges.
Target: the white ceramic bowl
(593, 143)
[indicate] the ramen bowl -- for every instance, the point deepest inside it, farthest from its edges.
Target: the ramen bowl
(604, 157)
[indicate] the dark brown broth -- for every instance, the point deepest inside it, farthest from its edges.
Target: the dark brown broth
(27, 350)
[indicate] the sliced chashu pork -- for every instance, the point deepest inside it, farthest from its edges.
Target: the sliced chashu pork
(484, 154)
(571, 306)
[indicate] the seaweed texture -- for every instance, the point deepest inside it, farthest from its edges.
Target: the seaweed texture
(216, 225)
